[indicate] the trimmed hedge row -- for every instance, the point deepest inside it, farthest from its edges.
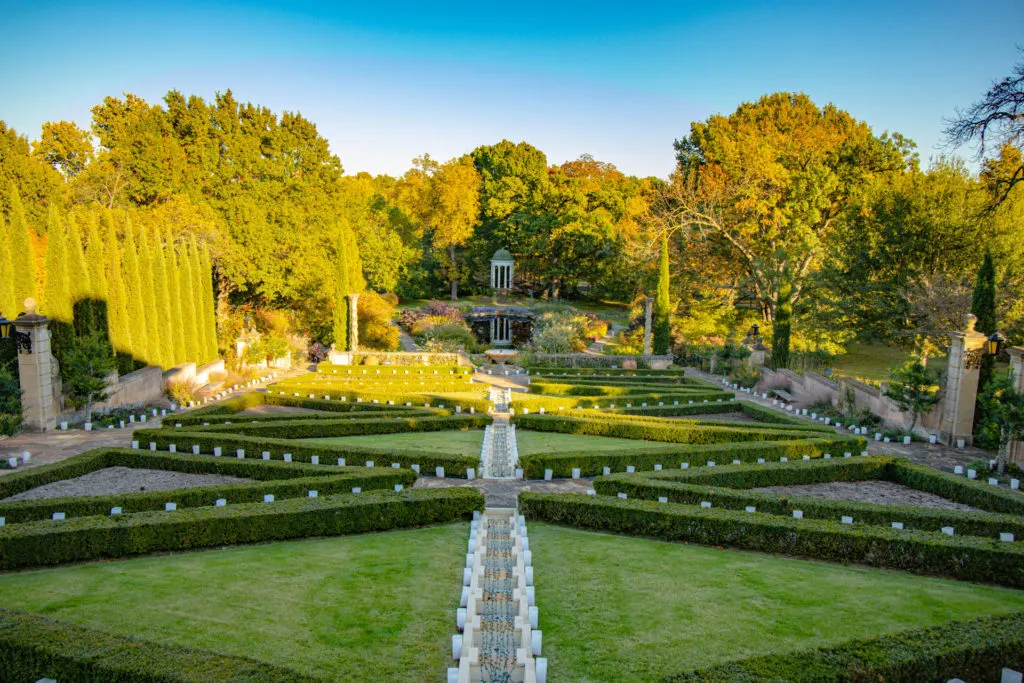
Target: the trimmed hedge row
(553, 403)
(967, 558)
(973, 650)
(235, 404)
(34, 647)
(556, 371)
(591, 463)
(890, 468)
(377, 412)
(418, 399)
(399, 370)
(684, 410)
(323, 428)
(707, 422)
(88, 538)
(303, 451)
(610, 390)
(302, 478)
(677, 488)
(648, 430)
(759, 412)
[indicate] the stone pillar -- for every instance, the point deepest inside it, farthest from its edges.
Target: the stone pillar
(353, 322)
(966, 349)
(648, 309)
(756, 358)
(1015, 452)
(34, 371)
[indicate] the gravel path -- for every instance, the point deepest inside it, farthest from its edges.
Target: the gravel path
(114, 480)
(880, 492)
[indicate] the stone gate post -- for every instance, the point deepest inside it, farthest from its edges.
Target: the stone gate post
(648, 307)
(1015, 452)
(34, 368)
(966, 350)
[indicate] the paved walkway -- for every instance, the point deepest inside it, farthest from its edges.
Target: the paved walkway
(407, 343)
(939, 456)
(51, 447)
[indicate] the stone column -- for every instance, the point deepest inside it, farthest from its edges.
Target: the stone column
(34, 371)
(966, 349)
(353, 322)
(1015, 453)
(648, 309)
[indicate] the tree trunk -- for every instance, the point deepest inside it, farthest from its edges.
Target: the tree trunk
(455, 290)
(455, 279)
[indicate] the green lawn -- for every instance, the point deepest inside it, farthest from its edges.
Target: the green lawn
(616, 608)
(552, 442)
(374, 607)
(455, 442)
(876, 361)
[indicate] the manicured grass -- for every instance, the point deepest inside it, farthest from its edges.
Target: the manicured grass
(876, 361)
(454, 442)
(530, 443)
(616, 608)
(376, 607)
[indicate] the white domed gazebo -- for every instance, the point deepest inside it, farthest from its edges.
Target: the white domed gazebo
(501, 270)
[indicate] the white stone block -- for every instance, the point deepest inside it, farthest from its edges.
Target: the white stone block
(1015, 484)
(152, 445)
(341, 463)
(630, 469)
(287, 457)
(220, 502)
(519, 473)
(312, 493)
(705, 503)
(684, 465)
(64, 426)
(606, 471)
(170, 506)
(760, 461)
(314, 460)
(886, 439)
(369, 463)
(87, 426)
(662, 499)
(216, 451)
(622, 495)
(932, 439)
(439, 472)
(783, 459)
(878, 436)
(357, 489)
(807, 457)
(470, 473)
(798, 514)
(906, 441)
(1006, 538)
(268, 498)
(958, 469)
(827, 456)
(750, 508)
(948, 530)
(960, 443)
(58, 516)
(240, 453)
(846, 519)
(575, 472)
(591, 492)
(536, 639)
(992, 481)
(897, 525)
(972, 474)
(115, 510)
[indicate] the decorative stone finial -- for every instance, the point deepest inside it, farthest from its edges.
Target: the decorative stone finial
(30, 306)
(972, 320)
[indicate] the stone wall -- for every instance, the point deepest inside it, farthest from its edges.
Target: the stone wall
(135, 388)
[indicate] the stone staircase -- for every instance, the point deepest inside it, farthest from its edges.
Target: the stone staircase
(498, 615)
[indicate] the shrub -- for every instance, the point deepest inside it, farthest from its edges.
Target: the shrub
(10, 404)
(183, 391)
(960, 557)
(33, 647)
(376, 329)
(87, 538)
(969, 650)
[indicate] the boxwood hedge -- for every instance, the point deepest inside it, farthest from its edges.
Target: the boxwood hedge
(88, 538)
(968, 558)
(973, 650)
(305, 428)
(34, 647)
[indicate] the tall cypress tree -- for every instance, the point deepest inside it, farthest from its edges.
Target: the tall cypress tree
(174, 293)
(983, 302)
(193, 343)
(783, 321)
(8, 298)
(95, 258)
(23, 260)
(199, 303)
(662, 323)
(56, 301)
(136, 302)
(165, 317)
(209, 304)
(117, 304)
(342, 284)
(79, 287)
(156, 339)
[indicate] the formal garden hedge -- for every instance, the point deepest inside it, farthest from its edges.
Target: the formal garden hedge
(34, 647)
(419, 399)
(724, 488)
(674, 409)
(591, 463)
(973, 650)
(32, 544)
(658, 420)
(967, 558)
(303, 427)
(378, 411)
(326, 368)
(615, 390)
(668, 431)
(280, 479)
(556, 371)
(304, 451)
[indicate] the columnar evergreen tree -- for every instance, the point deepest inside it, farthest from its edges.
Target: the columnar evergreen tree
(156, 338)
(662, 308)
(117, 301)
(341, 292)
(56, 301)
(187, 294)
(209, 310)
(164, 314)
(23, 263)
(95, 258)
(983, 302)
(79, 287)
(174, 295)
(136, 302)
(783, 322)
(199, 292)
(7, 295)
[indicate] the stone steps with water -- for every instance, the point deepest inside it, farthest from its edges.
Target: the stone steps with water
(500, 642)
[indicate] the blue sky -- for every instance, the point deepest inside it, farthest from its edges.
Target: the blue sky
(386, 82)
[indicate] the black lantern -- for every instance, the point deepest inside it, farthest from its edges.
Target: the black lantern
(755, 331)
(995, 343)
(9, 333)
